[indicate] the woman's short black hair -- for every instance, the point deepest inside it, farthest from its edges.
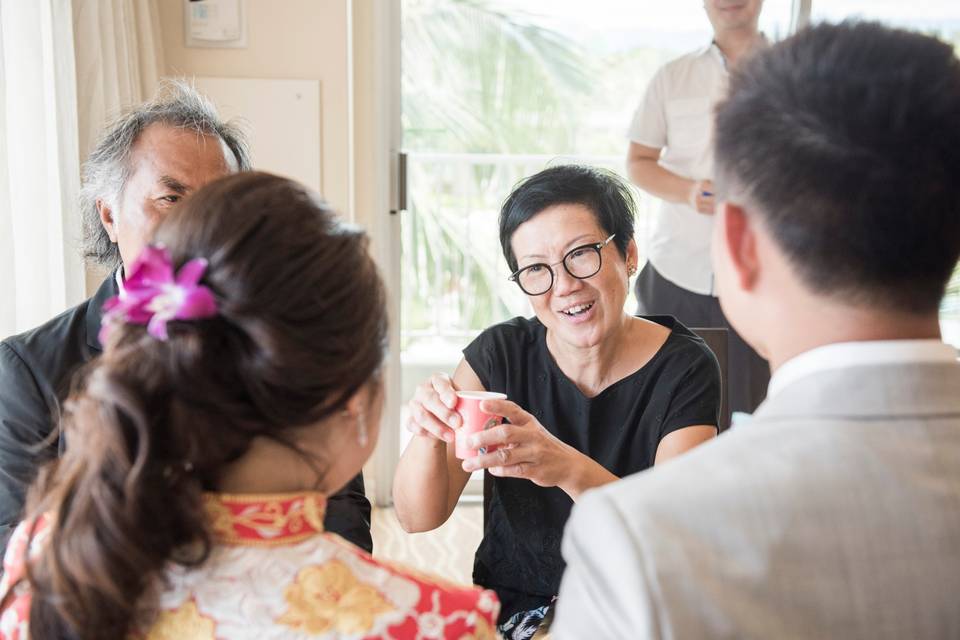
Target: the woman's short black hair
(599, 190)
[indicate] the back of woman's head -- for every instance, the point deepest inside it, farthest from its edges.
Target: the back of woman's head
(299, 328)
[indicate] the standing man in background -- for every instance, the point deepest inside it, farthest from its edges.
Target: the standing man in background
(671, 157)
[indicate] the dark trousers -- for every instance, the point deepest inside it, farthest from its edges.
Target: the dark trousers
(748, 373)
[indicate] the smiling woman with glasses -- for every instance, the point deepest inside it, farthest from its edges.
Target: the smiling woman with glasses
(593, 393)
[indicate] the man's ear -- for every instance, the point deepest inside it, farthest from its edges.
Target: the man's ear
(633, 255)
(739, 238)
(107, 219)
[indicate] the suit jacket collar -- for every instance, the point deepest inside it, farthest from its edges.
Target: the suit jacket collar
(108, 288)
(869, 392)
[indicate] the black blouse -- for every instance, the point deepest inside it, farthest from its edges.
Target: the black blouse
(519, 556)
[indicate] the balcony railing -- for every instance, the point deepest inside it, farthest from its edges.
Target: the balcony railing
(454, 277)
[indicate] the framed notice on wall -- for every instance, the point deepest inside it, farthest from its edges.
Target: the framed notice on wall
(214, 23)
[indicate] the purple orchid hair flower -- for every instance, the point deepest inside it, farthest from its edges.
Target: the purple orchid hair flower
(153, 295)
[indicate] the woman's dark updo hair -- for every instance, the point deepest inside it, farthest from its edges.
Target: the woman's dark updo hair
(601, 191)
(301, 327)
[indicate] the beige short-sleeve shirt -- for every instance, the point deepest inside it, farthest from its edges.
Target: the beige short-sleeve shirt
(676, 115)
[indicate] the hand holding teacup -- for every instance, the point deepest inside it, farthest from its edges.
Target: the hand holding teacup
(474, 420)
(432, 411)
(522, 449)
(438, 410)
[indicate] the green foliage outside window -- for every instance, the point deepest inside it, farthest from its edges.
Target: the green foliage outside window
(478, 79)
(491, 95)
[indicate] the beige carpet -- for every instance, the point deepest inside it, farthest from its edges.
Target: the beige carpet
(446, 552)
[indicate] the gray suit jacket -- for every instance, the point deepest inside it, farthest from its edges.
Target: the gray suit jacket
(833, 513)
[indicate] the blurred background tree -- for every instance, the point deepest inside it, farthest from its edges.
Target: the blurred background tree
(495, 90)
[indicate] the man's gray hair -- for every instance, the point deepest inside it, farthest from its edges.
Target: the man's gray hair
(107, 169)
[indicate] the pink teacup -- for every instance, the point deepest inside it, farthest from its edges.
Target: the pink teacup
(474, 420)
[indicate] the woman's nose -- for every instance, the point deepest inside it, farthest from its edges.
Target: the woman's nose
(564, 283)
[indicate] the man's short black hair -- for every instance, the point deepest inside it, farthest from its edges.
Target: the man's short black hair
(600, 191)
(845, 141)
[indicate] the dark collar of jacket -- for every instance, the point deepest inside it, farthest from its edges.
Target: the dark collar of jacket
(94, 311)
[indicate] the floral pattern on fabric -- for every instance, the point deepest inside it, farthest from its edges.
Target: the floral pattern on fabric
(14, 590)
(274, 574)
(185, 623)
(524, 625)
(331, 597)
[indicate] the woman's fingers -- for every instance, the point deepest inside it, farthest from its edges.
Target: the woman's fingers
(504, 435)
(422, 422)
(429, 413)
(521, 470)
(504, 456)
(443, 387)
(509, 410)
(429, 398)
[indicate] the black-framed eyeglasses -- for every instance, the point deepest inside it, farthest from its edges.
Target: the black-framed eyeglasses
(580, 262)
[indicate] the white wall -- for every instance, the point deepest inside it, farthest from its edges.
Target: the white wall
(294, 39)
(347, 46)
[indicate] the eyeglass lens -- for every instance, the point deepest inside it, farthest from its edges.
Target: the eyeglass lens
(580, 263)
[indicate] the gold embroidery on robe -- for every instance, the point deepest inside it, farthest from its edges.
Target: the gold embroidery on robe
(183, 623)
(330, 597)
(277, 521)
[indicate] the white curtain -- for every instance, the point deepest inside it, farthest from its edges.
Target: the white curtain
(66, 67)
(40, 272)
(119, 60)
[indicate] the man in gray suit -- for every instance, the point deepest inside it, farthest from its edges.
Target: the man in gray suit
(835, 511)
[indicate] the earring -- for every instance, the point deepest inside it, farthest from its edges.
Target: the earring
(631, 269)
(362, 437)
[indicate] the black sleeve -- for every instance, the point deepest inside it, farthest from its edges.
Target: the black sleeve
(348, 514)
(497, 350)
(26, 421)
(696, 397)
(479, 354)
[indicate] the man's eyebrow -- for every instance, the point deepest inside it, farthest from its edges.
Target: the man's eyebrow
(174, 185)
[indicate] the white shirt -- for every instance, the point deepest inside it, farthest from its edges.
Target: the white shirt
(843, 355)
(676, 115)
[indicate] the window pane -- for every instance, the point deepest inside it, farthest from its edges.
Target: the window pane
(495, 90)
(937, 17)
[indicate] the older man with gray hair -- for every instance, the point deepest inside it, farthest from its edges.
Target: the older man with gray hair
(146, 162)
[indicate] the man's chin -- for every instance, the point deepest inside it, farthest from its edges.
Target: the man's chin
(736, 23)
